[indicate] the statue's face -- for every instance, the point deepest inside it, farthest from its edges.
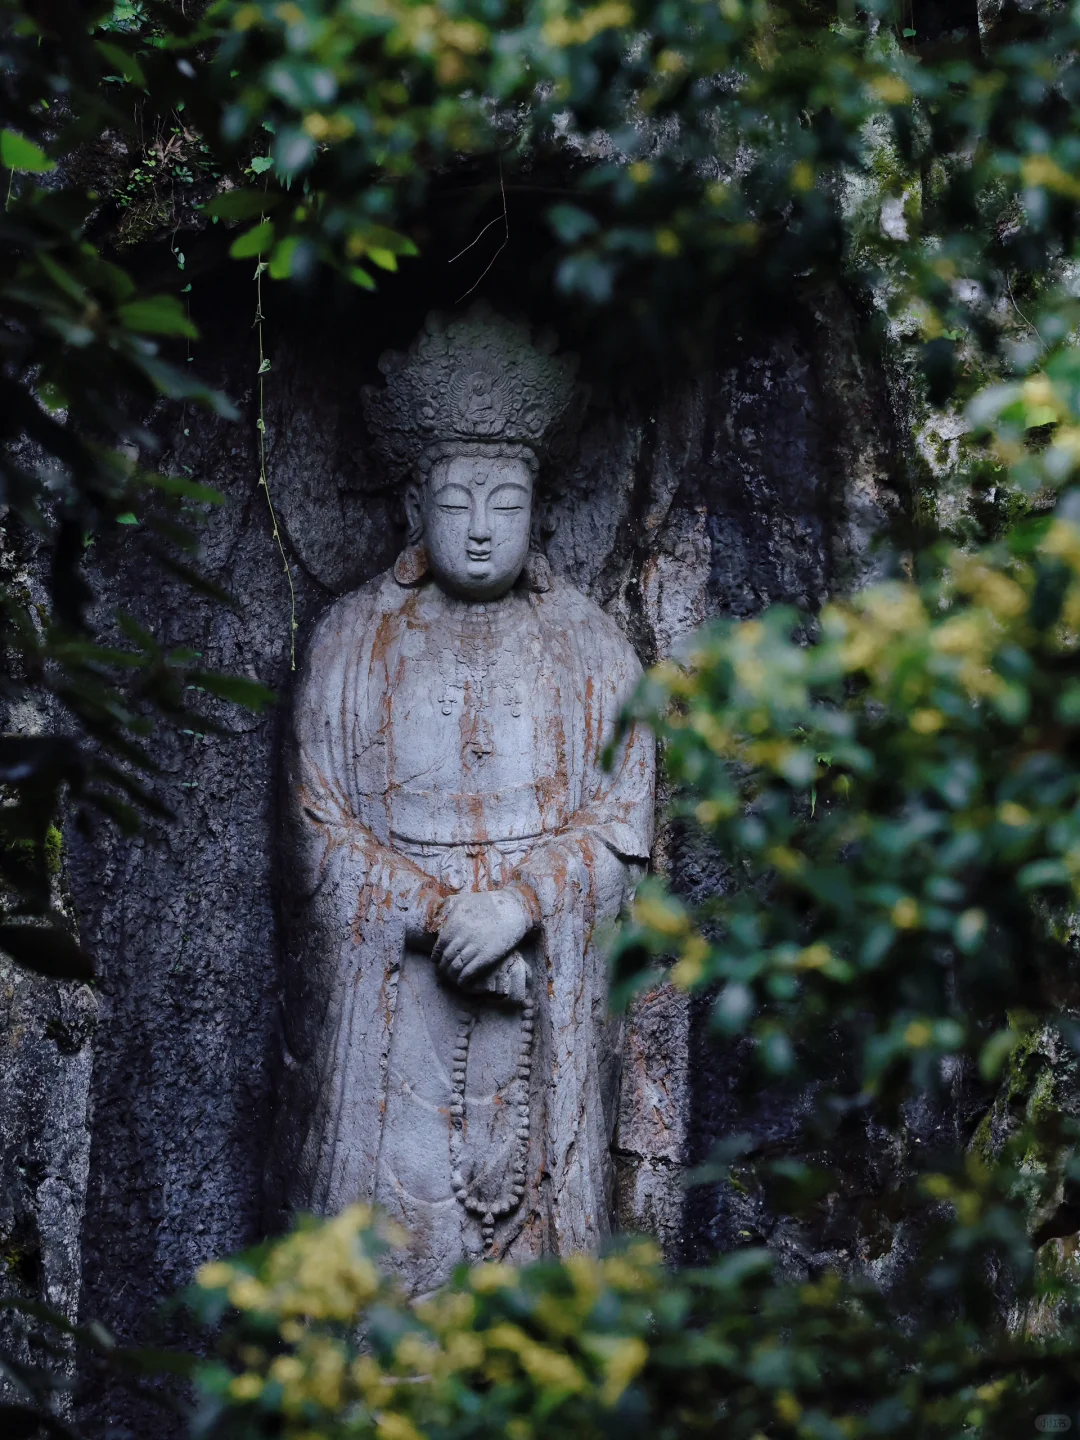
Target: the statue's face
(476, 514)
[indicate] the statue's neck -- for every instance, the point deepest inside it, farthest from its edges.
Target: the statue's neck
(432, 605)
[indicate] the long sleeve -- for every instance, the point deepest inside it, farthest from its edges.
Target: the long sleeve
(330, 848)
(348, 902)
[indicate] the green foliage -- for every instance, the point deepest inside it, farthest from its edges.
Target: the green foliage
(77, 373)
(315, 1341)
(904, 791)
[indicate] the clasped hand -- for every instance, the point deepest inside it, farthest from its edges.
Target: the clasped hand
(477, 929)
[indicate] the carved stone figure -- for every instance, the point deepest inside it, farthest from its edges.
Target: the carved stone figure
(456, 845)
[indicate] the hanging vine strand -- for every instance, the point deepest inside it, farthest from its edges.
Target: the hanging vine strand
(264, 366)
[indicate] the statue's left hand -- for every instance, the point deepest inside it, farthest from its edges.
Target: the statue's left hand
(477, 929)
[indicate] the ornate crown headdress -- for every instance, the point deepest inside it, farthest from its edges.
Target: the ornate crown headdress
(475, 379)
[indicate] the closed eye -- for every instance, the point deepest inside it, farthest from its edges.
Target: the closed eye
(509, 509)
(458, 508)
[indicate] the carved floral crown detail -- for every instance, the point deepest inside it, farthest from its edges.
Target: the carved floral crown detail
(470, 379)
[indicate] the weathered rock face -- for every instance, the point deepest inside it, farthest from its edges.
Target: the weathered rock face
(45, 1058)
(46, 1033)
(760, 479)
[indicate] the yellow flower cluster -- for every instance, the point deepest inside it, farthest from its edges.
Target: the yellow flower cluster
(563, 29)
(321, 1273)
(906, 643)
(317, 1285)
(429, 30)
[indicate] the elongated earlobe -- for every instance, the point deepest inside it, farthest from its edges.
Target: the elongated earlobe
(536, 573)
(412, 566)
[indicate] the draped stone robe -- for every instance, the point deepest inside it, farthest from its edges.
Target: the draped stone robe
(441, 745)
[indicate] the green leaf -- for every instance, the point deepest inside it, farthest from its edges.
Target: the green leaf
(184, 488)
(1042, 873)
(60, 277)
(237, 688)
(18, 153)
(571, 223)
(46, 950)
(253, 242)
(282, 259)
(240, 204)
(127, 518)
(261, 163)
(995, 1052)
(359, 276)
(157, 315)
(124, 64)
(383, 238)
(182, 385)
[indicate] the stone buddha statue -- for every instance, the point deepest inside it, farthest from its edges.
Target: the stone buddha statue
(456, 842)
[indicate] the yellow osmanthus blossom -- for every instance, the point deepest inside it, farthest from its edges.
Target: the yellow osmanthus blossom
(788, 1408)
(891, 89)
(1043, 405)
(1014, 815)
(661, 913)
(802, 176)
(544, 1366)
(710, 812)
(689, 970)
(328, 128)
(246, 1293)
(392, 1426)
(587, 1279)
(635, 1269)
(215, 1276)
(1004, 597)
(814, 957)
(1062, 540)
(486, 1279)
(918, 1035)
(453, 1310)
(622, 1358)
(1045, 171)
(246, 1387)
(905, 914)
(416, 1352)
(564, 30)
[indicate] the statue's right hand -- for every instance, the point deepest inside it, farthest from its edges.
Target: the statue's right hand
(477, 930)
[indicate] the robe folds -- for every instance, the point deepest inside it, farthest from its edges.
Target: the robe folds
(440, 745)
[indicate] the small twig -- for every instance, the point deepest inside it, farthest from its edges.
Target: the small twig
(505, 241)
(471, 243)
(264, 485)
(1031, 326)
